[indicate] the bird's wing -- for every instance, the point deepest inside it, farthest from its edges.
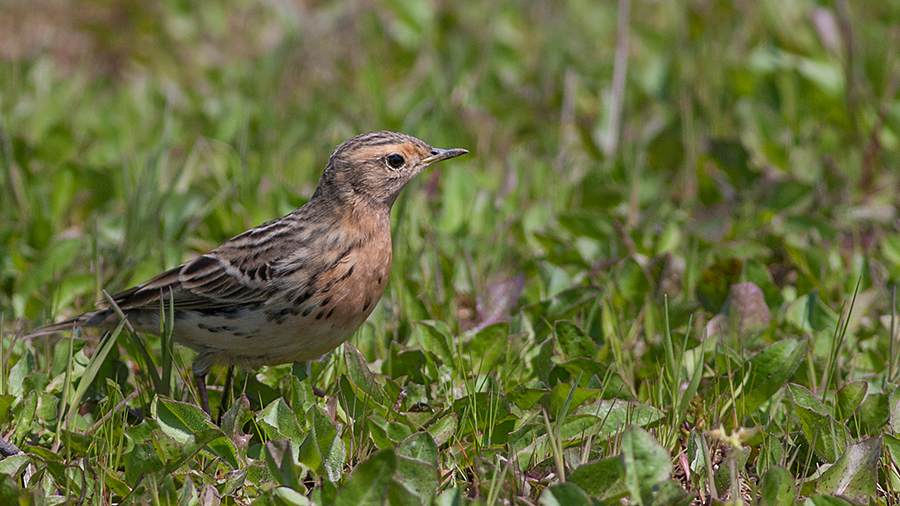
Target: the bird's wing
(245, 270)
(206, 282)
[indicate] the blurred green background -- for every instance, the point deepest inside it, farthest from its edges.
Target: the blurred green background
(134, 133)
(630, 161)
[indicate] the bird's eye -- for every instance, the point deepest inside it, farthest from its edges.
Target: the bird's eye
(395, 161)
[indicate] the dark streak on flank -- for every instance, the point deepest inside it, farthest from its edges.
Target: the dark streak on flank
(348, 273)
(368, 303)
(326, 301)
(379, 280)
(229, 312)
(343, 255)
(280, 317)
(307, 311)
(304, 296)
(223, 328)
(319, 316)
(329, 314)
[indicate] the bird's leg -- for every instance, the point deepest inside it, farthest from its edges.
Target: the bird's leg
(307, 368)
(200, 379)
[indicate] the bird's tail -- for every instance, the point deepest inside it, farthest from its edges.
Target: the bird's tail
(55, 328)
(92, 319)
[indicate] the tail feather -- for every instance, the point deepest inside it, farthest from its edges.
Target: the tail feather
(55, 328)
(92, 319)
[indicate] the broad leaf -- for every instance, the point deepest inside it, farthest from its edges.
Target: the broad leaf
(855, 473)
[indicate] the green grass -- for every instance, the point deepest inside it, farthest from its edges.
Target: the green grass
(561, 324)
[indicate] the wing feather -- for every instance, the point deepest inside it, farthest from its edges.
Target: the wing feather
(247, 269)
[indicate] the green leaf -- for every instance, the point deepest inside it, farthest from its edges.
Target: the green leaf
(113, 480)
(359, 374)
(166, 446)
(556, 398)
(771, 453)
(278, 421)
(632, 281)
(573, 341)
(715, 283)
(210, 439)
(25, 416)
(10, 491)
(301, 393)
(322, 450)
(874, 413)
(291, 497)
(435, 337)
(890, 246)
(777, 488)
(368, 484)
(769, 370)
(409, 363)
(787, 194)
(565, 494)
(14, 463)
(236, 416)
(828, 436)
(419, 446)
(6, 402)
(578, 426)
(737, 460)
(418, 477)
(281, 465)
(892, 443)
(810, 313)
(487, 345)
(855, 473)
(564, 302)
(849, 397)
(525, 398)
(824, 500)
(617, 413)
(480, 411)
(587, 224)
(645, 461)
(387, 434)
(180, 420)
(443, 429)
(669, 493)
(603, 479)
(589, 368)
(733, 158)
(186, 423)
(141, 460)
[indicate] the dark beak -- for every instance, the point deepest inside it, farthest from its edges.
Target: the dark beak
(442, 154)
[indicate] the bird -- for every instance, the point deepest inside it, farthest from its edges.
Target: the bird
(291, 289)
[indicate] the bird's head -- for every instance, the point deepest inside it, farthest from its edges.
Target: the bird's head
(375, 166)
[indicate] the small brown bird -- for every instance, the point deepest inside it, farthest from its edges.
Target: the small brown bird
(291, 289)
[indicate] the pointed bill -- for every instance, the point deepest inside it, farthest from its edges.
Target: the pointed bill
(438, 155)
